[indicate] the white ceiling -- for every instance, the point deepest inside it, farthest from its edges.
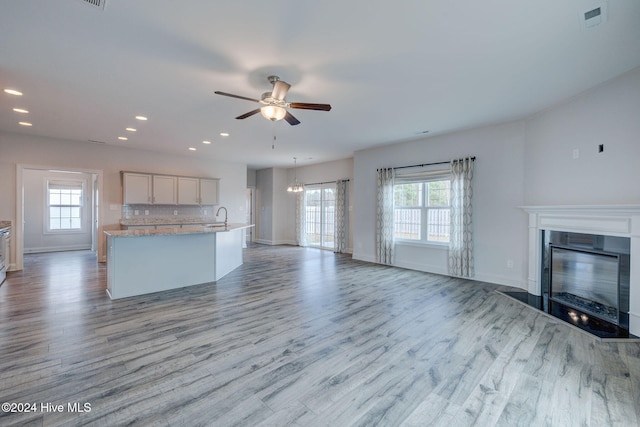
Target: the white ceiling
(390, 69)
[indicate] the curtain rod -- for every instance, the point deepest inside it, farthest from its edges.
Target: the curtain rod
(328, 182)
(429, 164)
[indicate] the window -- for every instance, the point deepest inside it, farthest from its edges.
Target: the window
(64, 204)
(320, 202)
(422, 209)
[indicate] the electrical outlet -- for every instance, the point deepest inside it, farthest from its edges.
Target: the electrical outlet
(510, 263)
(175, 212)
(146, 211)
(206, 212)
(576, 153)
(136, 212)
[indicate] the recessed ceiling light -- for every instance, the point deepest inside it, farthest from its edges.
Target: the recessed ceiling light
(20, 110)
(131, 129)
(123, 138)
(143, 118)
(206, 142)
(13, 92)
(224, 134)
(25, 124)
(192, 149)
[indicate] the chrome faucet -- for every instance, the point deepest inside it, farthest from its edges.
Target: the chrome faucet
(225, 215)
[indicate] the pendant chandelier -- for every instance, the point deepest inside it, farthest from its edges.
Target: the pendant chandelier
(296, 187)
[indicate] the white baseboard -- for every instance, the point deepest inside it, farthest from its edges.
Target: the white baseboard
(57, 249)
(365, 258)
(438, 269)
(274, 242)
(435, 269)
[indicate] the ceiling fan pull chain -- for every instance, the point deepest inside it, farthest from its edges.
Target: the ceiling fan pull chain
(273, 127)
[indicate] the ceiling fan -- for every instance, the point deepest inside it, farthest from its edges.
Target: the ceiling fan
(274, 104)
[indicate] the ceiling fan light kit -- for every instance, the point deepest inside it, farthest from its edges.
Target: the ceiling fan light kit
(273, 113)
(275, 105)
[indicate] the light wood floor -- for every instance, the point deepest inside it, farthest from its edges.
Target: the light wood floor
(300, 337)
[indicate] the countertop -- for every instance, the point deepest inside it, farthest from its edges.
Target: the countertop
(5, 225)
(142, 220)
(174, 231)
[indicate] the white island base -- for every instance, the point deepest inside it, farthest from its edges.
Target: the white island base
(146, 261)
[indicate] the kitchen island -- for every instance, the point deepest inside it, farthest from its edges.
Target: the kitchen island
(146, 261)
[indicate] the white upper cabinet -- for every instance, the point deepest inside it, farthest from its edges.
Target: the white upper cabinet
(188, 191)
(137, 189)
(209, 191)
(197, 191)
(165, 190)
(147, 189)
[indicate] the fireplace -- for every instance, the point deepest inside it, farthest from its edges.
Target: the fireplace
(584, 266)
(589, 273)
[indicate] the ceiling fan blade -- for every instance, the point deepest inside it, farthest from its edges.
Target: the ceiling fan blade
(235, 96)
(291, 120)
(307, 106)
(280, 90)
(249, 114)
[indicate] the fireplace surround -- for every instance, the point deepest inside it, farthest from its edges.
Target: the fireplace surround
(599, 243)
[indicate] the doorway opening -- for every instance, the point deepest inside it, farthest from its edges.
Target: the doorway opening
(250, 202)
(57, 210)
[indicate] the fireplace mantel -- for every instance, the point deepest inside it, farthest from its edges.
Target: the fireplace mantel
(611, 220)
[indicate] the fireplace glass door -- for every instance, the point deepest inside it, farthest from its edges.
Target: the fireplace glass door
(586, 281)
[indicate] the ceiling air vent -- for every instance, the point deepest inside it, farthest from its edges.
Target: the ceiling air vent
(594, 16)
(95, 3)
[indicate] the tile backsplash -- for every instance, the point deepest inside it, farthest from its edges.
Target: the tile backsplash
(164, 211)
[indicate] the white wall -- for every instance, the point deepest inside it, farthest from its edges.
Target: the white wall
(500, 228)
(59, 154)
(36, 239)
(609, 115)
(264, 206)
(527, 162)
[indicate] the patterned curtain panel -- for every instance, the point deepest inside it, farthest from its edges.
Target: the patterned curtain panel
(461, 238)
(340, 235)
(384, 217)
(301, 219)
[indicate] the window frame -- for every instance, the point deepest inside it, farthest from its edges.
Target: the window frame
(70, 184)
(424, 179)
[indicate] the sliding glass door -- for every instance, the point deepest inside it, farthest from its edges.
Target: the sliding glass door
(320, 203)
